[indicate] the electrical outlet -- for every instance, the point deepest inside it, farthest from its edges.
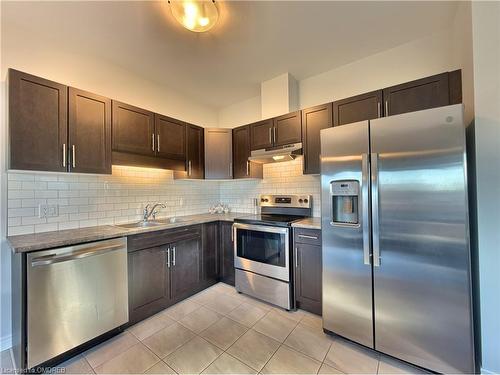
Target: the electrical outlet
(48, 210)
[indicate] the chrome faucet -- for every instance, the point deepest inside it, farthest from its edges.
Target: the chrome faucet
(147, 212)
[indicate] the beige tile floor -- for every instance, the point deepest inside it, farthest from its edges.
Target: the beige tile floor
(219, 331)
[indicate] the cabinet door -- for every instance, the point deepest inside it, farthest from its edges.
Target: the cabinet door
(227, 253)
(38, 126)
(186, 267)
(89, 132)
(287, 129)
(195, 152)
(149, 282)
(210, 251)
(133, 129)
(261, 134)
(218, 153)
(417, 95)
(308, 271)
(358, 108)
(242, 168)
(313, 120)
(170, 138)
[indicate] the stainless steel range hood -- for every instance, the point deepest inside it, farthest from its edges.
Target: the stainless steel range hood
(276, 154)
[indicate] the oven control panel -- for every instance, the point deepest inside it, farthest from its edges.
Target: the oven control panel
(293, 201)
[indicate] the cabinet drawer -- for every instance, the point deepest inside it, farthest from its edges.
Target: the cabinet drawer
(162, 237)
(307, 236)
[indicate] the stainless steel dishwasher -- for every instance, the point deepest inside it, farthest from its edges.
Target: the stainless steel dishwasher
(74, 295)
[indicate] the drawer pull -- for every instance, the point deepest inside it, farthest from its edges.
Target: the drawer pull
(308, 237)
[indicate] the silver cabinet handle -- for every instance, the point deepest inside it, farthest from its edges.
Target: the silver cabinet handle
(189, 168)
(387, 107)
(233, 233)
(64, 154)
(173, 256)
(296, 258)
(307, 236)
(375, 213)
(379, 114)
(230, 169)
(248, 168)
(365, 209)
(274, 135)
(168, 257)
(73, 148)
(270, 135)
(153, 141)
(158, 142)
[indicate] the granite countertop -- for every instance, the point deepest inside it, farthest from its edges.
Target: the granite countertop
(309, 223)
(46, 240)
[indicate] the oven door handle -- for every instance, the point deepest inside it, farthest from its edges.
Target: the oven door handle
(260, 228)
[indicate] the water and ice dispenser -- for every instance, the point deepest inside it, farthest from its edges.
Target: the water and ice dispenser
(345, 200)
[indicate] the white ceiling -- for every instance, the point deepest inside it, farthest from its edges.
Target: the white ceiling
(253, 42)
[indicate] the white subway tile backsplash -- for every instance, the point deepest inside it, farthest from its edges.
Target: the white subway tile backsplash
(88, 200)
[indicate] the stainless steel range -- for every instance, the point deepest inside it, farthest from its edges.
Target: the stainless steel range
(262, 248)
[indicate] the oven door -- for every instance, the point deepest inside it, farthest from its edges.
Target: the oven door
(262, 249)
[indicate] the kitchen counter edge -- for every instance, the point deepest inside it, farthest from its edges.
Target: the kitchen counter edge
(308, 223)
(47, 240)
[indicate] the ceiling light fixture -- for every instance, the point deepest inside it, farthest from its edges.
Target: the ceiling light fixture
(195, 15)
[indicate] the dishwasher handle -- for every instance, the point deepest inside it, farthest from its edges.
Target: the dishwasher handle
(84, 253)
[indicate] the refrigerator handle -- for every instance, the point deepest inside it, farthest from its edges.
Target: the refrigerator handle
(375, 213)
(365, 208)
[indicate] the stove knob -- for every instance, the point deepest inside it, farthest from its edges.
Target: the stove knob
(300, 200)
(306, 200)
(266, 200)
(262, 200)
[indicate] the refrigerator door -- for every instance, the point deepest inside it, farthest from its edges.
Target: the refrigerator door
(347, 273)
(422, 292)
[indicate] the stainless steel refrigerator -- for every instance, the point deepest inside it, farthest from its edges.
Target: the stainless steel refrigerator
(395, 229)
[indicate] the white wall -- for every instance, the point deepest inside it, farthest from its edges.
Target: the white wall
(44, 58)
(445, 51)
(241, 113)
(409, 61)
(486, 44)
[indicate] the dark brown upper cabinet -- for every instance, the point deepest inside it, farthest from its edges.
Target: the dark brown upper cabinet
(242, 168)
(170, 138)
(261, 134)
(278, 131)
(358, 108)
(195, 151)
(313, 120)
(89, 132)
(38, 123)
(425, 93)
(133, 130)
(287, 129)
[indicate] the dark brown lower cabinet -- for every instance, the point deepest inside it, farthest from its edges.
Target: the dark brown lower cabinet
(227, 253)
(211, 252)
(149, 282)
(164, 267)
(185, 267)
(308, 270)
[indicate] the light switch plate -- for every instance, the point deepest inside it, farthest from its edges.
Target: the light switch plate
(48, 210)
